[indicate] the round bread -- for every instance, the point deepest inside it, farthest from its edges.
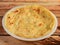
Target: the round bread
(31, 21)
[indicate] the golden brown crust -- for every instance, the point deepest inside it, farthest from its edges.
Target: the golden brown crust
(31, 21)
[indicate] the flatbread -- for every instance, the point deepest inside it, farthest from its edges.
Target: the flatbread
(31, 21)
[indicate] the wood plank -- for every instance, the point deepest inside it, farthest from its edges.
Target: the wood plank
(39, 0)
(57, 33)
(2, 32)
(2, 12)
(33, 0)
(8, 40)
(9, 5)
(1, 28)
(55, 7)
(56, 12)
(0, 21)
(29, 0)
(58, 21)
(56, 37)
(6, 0)
(51, 0)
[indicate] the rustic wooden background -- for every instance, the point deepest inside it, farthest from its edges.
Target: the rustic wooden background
(52, 5)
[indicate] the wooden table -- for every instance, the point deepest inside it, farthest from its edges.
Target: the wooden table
(6, 39)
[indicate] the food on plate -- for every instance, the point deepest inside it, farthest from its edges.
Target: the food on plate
(30, 21)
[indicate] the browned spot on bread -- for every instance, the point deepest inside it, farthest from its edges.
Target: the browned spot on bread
(20, 20)
(43, 16)
(36, 16)
(28, 30)
(37, 10)
(15, 11)
(8, 17)
(11, 23)
(40, 24)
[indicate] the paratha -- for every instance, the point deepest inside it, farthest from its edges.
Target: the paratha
(31, 21)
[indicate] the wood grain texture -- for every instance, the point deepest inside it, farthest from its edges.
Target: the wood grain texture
(9, 5)
(2, 32)
(27, 0)
(8, 40)
(57, 33)
(52, 5)
(6, 0)
(58, 21)
(32, 0)
(56, 38)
